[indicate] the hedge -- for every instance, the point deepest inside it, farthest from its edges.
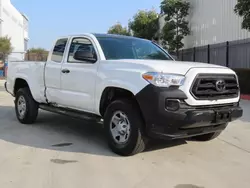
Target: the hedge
(244, 80)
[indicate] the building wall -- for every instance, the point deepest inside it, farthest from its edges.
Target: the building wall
(14, 25)
(213, 21)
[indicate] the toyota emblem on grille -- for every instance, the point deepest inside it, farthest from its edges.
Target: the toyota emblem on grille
(220, 85)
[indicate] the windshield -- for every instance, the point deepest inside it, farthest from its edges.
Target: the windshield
(131, 48)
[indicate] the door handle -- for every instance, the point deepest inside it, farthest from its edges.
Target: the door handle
(65, 71)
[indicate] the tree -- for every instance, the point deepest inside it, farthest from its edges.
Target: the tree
(176, 25)
(118, 29)
(145, 24)
(242, 8)
(37, 50)
(5, 47)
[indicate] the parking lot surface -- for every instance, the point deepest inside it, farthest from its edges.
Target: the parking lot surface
(61, 152)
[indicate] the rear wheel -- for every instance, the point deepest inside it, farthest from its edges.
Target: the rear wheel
(26, 107)
(207, 137)
(123, 126)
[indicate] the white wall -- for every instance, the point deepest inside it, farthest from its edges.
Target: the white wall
(12, 25)
(213, 21)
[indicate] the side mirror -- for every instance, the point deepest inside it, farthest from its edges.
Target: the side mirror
(85, 56)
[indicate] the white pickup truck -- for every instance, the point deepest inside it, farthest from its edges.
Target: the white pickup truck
(132, 84)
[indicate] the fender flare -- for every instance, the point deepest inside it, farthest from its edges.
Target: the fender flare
(134, 89)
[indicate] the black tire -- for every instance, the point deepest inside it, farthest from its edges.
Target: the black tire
(207, 137)
(136, 142)
(31, 111)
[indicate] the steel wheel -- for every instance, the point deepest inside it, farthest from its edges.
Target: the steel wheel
(21, 107)
(123, 127)
(120, 127)
(25, 106)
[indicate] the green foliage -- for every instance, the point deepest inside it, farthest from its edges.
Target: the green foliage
(37, 50)
(242, 9)
(5, 47)
(37, 54)
(118, 29)
(145, 24)
(176, 25)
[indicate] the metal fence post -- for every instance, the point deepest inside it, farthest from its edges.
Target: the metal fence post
(182, 55)
(208, 53)
(194, 51)
(227, 54)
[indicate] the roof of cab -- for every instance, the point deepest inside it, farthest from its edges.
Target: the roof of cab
(100, 35)
(111, 35)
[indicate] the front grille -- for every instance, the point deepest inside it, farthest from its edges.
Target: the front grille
(212, 87)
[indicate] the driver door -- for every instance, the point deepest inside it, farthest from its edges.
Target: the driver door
(78, 77)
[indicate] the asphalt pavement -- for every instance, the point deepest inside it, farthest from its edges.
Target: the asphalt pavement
(61, 152)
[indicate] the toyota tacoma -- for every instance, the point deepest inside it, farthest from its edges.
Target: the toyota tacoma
(131, 85)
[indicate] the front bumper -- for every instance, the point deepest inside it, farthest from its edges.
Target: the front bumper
(186, 121)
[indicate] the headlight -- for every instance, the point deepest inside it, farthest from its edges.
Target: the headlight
(164, 79)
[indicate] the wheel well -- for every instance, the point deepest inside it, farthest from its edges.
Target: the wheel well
(112, 93)
(20, 83)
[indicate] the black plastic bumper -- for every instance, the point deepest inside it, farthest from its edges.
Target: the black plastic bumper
(186, 121)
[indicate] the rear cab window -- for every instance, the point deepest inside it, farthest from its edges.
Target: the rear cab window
(59, 49)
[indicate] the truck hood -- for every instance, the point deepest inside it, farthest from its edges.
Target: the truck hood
(175, 67)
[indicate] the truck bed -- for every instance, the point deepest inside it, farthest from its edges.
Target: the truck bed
(30, 71)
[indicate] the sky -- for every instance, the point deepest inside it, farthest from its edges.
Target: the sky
(50, 19)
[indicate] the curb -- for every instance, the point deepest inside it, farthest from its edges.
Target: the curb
(245, 97)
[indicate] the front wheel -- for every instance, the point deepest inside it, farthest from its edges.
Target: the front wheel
(26, 107)
(124, 128)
